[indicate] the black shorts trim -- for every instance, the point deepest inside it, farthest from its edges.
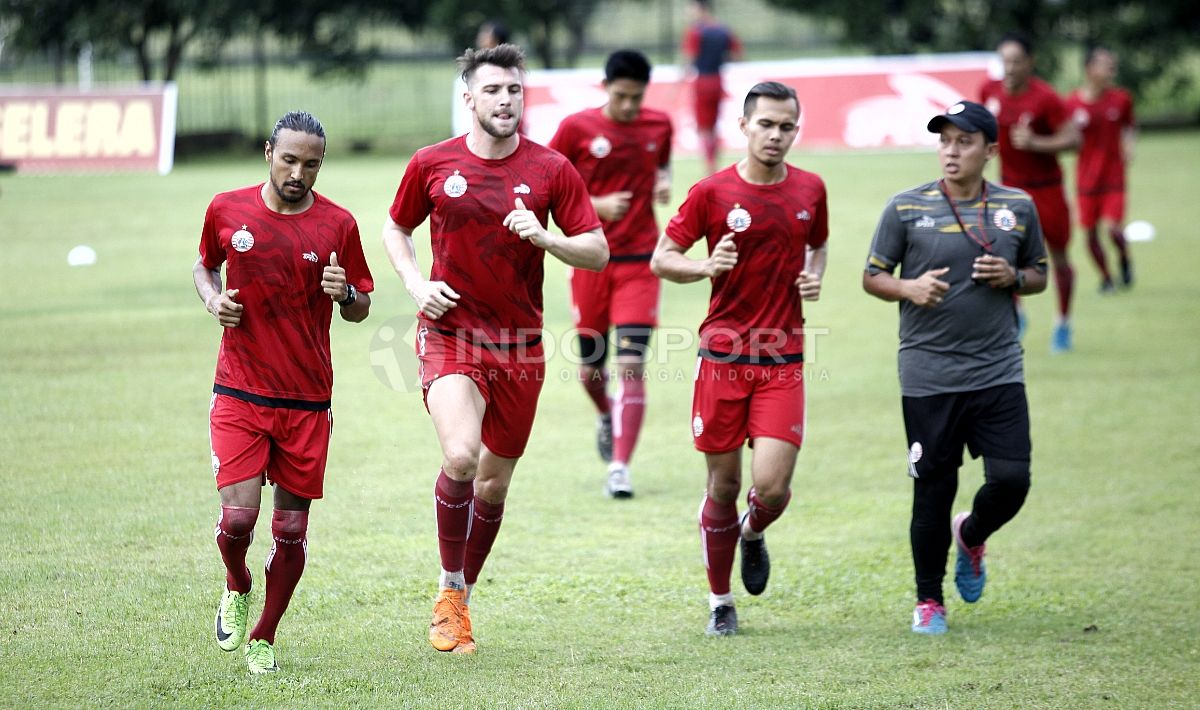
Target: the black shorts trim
(731, 359)
(276, 402)
(629, 258)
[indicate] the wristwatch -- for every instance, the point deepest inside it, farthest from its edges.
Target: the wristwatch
(1020, 280)
(351, 295)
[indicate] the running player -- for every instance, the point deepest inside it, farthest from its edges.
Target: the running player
(1104, 114)
(623, 151)
(289, 255)
(766, 224)
(488, 195)
(1034, 128)
(707, 45)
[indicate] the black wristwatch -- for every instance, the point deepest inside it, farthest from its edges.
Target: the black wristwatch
(351, 295)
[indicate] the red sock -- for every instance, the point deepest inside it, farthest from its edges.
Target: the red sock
(485, 523)
(1064, 279)
(285, 564)
(762, 515)
(452, 504)
(234, 533)
(595, 382)
(627, 417)
(718, 538)
(1094, 246)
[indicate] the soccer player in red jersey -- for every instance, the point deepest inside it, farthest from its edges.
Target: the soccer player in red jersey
(289, 255)
(623, 151)
(1104, 114)
(707, 45)
(488, 195)
(1034, 127)
(766, 224)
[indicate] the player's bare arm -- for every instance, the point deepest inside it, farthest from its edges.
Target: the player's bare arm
(1067, 137)
(354, 305)
(433, 298)
(588, 250)
(672, 263)
(926, 291)
(613, 206)
(217, 301)
(809, 281)
(662, 186)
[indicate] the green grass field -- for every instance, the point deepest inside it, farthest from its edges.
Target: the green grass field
(109, 575)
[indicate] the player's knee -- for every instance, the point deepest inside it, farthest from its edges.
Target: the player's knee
(1009, 473)
(460, 462)
(237, 521)
(290, 523)
(773, 494)
(493, 490)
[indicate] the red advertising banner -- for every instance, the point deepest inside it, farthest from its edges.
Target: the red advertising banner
(862, 102)
(48, 130)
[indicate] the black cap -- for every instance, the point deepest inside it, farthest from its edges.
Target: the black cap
(969, 116)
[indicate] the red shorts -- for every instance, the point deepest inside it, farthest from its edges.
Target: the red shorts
(510, 380)
(623, 293)
(1102, 205)
(732, 403)
(289, 446)
(1052, 210)
(706, 97)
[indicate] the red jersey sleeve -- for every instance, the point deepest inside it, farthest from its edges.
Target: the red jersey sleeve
(572, 207)
(210, 241)
(352, 259)
(819, 233)
(1055, 109)
(689, 225)
(564, 138)
(412, 204)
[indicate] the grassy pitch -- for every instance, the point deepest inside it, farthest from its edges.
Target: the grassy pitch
(109, 576)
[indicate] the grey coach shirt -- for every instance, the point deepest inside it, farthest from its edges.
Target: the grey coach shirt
(969, 341)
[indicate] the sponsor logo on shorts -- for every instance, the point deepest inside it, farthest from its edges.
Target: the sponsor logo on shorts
(216, 464)
(926, 222)
(600, 147)
(1005, 219)
(738, 219)
(242, 240)
(697, 426)
(455, 185)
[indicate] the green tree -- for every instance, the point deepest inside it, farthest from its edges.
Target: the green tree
(545, 24)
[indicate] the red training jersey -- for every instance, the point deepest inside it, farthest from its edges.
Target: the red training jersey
(1044, 111)
(497, 274)
(614, 157)
(755, 311)
(280, 349)
(1101, 166)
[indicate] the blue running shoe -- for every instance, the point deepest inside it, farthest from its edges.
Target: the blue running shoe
(970, 574)
(1061, 341)
(929, 618)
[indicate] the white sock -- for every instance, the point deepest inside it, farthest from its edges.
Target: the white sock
(452, 580)
(716, 600)
(748, 532)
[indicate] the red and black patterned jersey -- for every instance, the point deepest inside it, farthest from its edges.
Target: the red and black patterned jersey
(1101, 166)
(497, 274)
(614, 157)
(755, 311)
(1041, 108)
(280, 349)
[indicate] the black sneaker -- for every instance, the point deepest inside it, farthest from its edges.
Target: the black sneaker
(756, 564)
(1126, 274)
(722, 621)
(604, 437)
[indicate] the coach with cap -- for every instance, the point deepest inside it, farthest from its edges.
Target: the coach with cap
(964, 247)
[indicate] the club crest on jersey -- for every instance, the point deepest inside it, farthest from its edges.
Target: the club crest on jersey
(926, 222)
(242, 240)
(600, 147)
(697, 426)
(455, 185)
(1005, 219)
(738, 219)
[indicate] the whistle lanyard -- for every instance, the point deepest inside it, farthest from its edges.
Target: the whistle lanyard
(981, 240)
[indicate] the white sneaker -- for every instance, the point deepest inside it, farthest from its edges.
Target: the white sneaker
(618, 485)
